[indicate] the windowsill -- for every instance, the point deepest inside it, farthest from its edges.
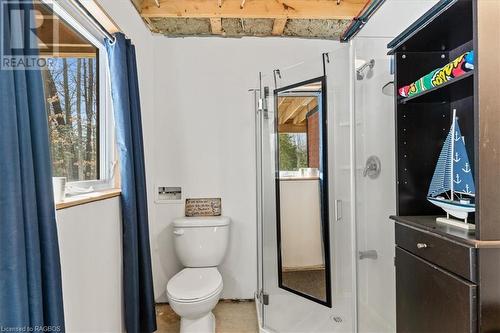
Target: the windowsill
(88, 198)
(298, 178)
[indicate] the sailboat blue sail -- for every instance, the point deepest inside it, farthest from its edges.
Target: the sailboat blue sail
(463, 182)
(452, 185)
(441, 180)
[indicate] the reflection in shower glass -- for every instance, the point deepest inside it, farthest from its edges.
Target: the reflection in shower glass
(300, 192)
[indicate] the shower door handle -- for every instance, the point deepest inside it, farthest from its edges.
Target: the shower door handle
(338, 210)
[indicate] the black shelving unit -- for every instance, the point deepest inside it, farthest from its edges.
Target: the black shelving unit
(455, 89)
(460, 263)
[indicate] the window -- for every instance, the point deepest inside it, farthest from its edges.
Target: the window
(293, 151)
(77, 100)
(299, 134)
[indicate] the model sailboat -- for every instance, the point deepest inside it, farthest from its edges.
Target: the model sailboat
(452, 186)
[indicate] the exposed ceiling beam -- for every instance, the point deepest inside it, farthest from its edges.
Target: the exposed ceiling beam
(279, 26)
(216, 25)
(301, 115)
(293, 9)
(280, 101)
(291, 128)
(291, 110)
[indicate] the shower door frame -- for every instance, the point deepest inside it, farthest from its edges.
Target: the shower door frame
(346, 305)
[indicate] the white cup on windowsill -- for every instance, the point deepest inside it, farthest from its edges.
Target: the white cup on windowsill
(59, 185)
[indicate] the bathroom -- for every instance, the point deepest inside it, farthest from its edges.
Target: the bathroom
(211, 108)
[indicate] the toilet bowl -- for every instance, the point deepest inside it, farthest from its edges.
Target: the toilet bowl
(192, 294)
(200, 245)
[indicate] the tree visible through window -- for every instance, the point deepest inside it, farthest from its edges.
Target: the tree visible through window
(70, 92)
(70, 85)
(293, 151)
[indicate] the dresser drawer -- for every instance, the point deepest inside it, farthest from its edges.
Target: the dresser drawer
(431, 300)
(452, 256)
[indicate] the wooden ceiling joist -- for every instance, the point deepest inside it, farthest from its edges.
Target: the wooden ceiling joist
(216, 25)
(279, 26)
(297, 104)
(275, 9)
(301, 115)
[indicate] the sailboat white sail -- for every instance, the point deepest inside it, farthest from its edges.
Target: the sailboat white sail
(452, 186)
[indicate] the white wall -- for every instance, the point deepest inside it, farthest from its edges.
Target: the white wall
(300, 221)
(394, 17)
(204, 125)
(91, 262)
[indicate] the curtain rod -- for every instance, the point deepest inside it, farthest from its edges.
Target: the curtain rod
(91, 17)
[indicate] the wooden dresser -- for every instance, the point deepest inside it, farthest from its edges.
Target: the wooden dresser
(447, 278)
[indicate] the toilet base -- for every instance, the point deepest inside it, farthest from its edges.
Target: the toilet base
(205, 324)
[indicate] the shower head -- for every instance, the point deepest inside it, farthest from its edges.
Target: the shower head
(361, 65)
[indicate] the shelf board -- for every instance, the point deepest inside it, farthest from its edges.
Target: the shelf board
(444, 27)
(428, 223)
(454, 89)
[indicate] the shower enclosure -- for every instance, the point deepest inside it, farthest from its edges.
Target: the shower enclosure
(359, 121)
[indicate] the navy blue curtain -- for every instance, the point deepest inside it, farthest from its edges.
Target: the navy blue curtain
(138, 282)
(30, 273)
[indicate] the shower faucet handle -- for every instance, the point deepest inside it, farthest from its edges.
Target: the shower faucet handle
(372, 167)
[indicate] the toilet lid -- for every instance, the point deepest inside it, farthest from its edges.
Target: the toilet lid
(194, 284)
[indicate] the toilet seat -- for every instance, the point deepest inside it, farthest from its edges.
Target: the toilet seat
(192, 285)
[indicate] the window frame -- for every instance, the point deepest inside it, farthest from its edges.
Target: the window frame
(73, 16)
(301, 93)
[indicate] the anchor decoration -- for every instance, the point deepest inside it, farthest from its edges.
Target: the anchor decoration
(452, 186)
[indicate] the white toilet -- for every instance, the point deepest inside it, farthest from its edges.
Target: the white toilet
(200, 244)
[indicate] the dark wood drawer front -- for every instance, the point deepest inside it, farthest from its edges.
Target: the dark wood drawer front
(457, 258)
(431, 300)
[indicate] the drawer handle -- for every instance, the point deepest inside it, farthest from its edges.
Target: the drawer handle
(421, 246)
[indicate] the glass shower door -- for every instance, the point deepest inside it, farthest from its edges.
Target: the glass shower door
(285, 311)
(375, 191)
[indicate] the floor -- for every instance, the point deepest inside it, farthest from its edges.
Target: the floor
(231, 317)
(310, 282)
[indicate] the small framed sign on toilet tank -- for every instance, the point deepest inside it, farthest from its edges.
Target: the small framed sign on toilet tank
(203, 207)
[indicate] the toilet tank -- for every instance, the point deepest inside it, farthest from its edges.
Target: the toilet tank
(201, 241)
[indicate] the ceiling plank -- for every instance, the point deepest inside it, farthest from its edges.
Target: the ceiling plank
(216, 25)
(301, 116)
(281, 100)
(279, 26)
(294, 9)
(291, 110)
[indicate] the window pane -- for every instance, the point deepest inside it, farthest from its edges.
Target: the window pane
(293, 151)
(71, 86)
